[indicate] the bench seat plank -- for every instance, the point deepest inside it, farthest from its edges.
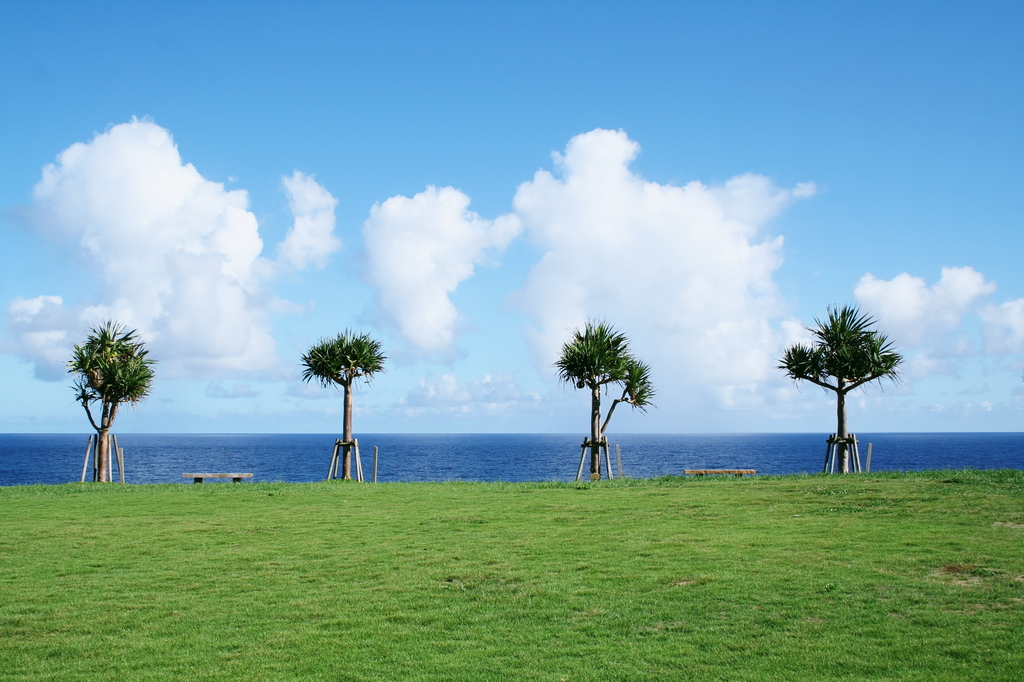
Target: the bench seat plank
(735, 472)
(198, 478)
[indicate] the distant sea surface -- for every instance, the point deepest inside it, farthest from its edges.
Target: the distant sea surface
(152, 458)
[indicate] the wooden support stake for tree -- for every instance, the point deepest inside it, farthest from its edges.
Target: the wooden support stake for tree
(120, 459)
(85, 462)
(602, 445)
(583, 456)
(618, 459)
(111, 458)
(852, 454)
(359, 463)
(607, 459)
(332, 469)
(868, 467)
(374, 463)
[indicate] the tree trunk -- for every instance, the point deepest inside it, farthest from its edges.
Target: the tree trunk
(103, 453)
(842, 449)
(346, 461)
(595, 431)
(608, 417)
(103, 449)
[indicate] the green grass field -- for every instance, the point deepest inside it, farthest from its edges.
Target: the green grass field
(882, 577)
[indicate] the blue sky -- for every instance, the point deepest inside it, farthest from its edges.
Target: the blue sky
(468, 181)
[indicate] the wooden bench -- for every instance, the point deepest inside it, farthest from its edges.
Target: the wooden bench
(735, 472)
(198, 478)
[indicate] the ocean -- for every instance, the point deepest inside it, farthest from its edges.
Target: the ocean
(156, 458)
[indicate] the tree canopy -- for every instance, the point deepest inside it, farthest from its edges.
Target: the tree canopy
(341, 360)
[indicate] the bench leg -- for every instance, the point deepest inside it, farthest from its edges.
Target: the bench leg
(197, 480)
(237, 480)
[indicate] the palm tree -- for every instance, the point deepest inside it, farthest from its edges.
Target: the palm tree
(845, 354)
(597, 358)
(111, 368)
(339, 362)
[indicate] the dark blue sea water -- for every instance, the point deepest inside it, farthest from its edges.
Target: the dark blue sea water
(153, 458)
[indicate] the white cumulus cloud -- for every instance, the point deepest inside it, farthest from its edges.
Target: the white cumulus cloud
(311, 240)
(912, 312)
(174, 254)
(685, 271)
(1004, 327)
(39, 329)
(419, 250)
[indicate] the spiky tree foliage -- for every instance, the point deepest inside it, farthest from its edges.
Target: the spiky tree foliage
(846, 353)
(597, 358)
(637, 390)
(111, 368)
(339, 362)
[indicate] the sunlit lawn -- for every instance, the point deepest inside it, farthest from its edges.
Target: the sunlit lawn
(889, 577)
